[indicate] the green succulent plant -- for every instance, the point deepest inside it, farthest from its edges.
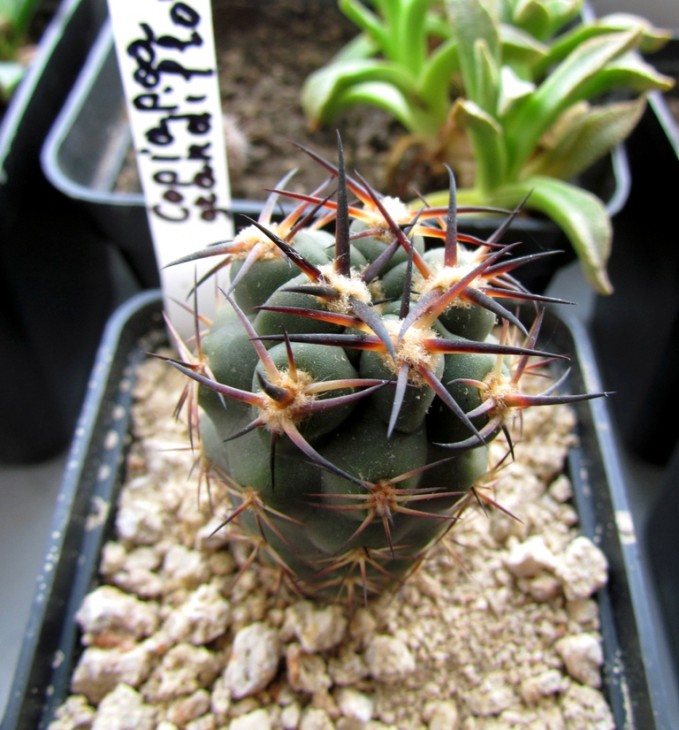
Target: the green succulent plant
(15, 19)
(531, 92)
(347, 390)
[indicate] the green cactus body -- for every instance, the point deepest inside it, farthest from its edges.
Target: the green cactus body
(273, 269)
(351, 385)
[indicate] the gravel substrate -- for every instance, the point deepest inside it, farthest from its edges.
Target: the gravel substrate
(498, 628)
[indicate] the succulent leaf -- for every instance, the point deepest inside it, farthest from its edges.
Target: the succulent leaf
(585, 138)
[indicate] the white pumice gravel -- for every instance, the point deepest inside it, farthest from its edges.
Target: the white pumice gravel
(498, 629)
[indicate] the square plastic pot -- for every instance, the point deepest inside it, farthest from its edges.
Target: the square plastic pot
(636, 329)
(661, 544)
(56, 290)
(637, 683)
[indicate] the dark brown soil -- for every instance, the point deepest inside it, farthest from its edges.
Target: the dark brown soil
(261, 81)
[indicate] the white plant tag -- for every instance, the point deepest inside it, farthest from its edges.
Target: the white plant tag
(166, 54)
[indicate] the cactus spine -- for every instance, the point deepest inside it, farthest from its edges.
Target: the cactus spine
(350, 385)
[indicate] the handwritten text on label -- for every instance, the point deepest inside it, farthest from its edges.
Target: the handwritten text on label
(167, 58)
(173, 101)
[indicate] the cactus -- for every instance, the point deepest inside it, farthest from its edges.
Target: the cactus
(348, 389)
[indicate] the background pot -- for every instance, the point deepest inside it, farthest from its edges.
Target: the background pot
(660, 536)
(55, 287)
(636, 330)
(87, 148)
(91, 142)
(635, 681)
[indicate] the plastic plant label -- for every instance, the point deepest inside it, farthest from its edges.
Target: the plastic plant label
(166, 54)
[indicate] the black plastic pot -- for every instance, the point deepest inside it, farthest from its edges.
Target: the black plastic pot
(91, 142)
(636, 330)
(660, 536)
(55, 287)
(636, 680)
(87, 148)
